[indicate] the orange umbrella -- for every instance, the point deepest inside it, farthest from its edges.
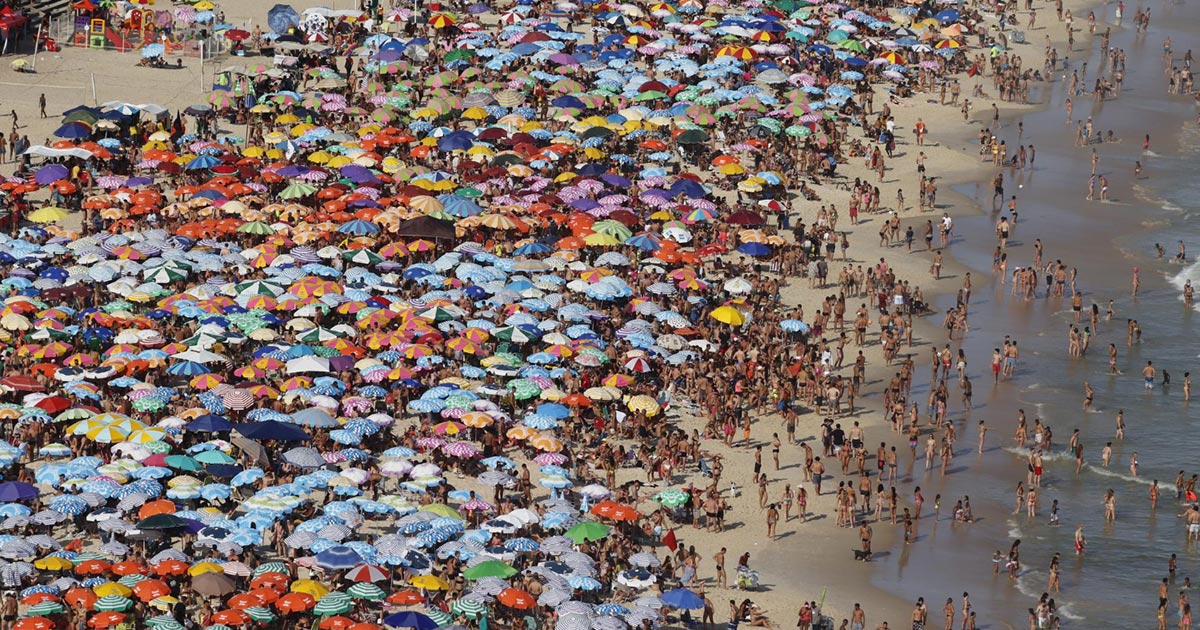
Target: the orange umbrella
(147, 590)
(516, 598)
(272, 579)
(153, 508)
(92, 567)
(106, 619)
(295, 602)
(243, 601)
(231, 617)
(129, 567)
(265, 595)
(34, 623)
(337, 623)
(170, 567)
(79, 594)
(407, 597)
(37, 598)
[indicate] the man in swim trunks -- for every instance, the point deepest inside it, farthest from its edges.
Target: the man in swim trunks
(1148, 373)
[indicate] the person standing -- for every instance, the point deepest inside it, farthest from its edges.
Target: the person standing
(42, 105)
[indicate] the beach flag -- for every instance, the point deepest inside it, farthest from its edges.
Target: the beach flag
(670, 541)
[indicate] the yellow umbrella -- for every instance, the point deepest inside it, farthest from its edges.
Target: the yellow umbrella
(107, 435)
(429, 583)
(441, 509)
(49, 214)
(310, 587)
(112, 588)
(600, 239)
(728, 315)
(475, 113)
(54, 563)
(142, 436)
(200, 568)
(644, 404)
(287, 119)
(732, 168)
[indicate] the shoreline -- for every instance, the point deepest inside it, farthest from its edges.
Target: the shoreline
(968, 552)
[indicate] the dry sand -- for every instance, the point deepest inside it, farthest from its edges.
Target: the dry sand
(809, 558)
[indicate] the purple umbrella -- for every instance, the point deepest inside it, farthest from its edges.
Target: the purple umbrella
(51, 173)
(357, 174)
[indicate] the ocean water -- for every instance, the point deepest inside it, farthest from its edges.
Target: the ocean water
(1114, 583)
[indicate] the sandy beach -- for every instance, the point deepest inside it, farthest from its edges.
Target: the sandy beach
(810, 560)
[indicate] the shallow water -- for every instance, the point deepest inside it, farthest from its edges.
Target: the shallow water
(1114, 583)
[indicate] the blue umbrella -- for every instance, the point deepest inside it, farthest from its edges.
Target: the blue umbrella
(17, 491)
(358, 227)
(209, 423)
(947, 16)
(339, 558)
(682, 598)
(410, 619)
(49, 174)
(272, 430)
(754, 249)
(73, 131)
(282, 17)
(201, 162)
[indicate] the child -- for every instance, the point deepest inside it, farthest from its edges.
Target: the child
(1054, 512)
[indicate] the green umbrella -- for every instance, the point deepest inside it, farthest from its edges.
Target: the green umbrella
(148, 403)
(692, 136)
(214, 457)
(441, 618)
(489, 568)
(182, 462)
(110, 603)
(672, 497)
(157, 446)
(649, 95)
(73, 414)
(334, 603)
(366, 591)
(798, 131)
(132, 579)
(524, 389)
(587, 530)
(271, 567)
(297, 190)
(160, 621)
(44, 608)
(256, 227)
(470, 608)
(260, 614)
